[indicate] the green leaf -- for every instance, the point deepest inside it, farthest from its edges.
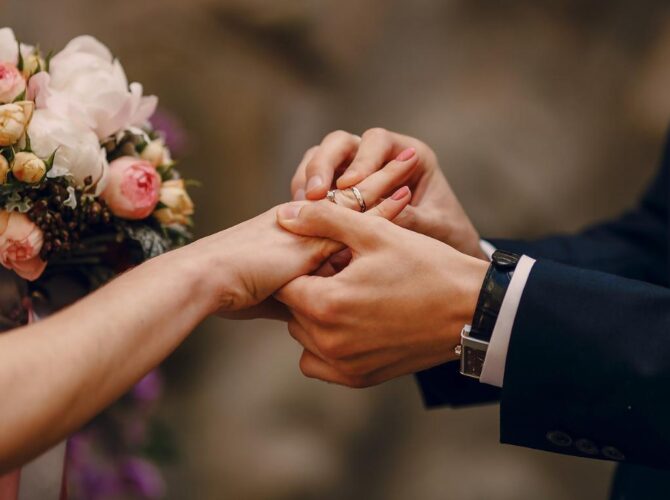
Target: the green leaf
(50, 161)
(47, 60)
(20, 63)
(20, 97)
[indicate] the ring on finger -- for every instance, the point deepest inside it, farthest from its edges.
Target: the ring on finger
(330, 196)
(359, 198)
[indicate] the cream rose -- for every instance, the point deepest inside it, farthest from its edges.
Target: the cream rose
(4, 169)
(13, 121)
(178, 204)
(28, 168)
(89, 85)
(133, 188)
(156, 153)
(20, 244)
(78, 152)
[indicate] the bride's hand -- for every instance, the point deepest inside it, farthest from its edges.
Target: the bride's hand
(246, 264)
(352, 161)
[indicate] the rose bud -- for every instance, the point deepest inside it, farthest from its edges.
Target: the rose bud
(178, 204)
(28, 168)
(14, 119)
(32, 64)
(4, 169)
(12, 82)
(156, 153)
(133, 188)
(20, 245)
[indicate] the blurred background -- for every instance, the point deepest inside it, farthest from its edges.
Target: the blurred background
(546, 116)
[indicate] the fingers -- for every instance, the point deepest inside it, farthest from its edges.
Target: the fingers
(314, 367)
(299, 179)
(328, 220)
(377, 147)
(337, 148)
(297, 293)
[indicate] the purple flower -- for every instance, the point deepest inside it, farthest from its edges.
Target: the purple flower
(149, 388)
(176, 138)
(143, 477)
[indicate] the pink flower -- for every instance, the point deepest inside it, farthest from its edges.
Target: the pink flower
(20, 245)
(11, 82)
(133, 188)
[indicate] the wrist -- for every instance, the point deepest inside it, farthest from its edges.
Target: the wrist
(462, 309)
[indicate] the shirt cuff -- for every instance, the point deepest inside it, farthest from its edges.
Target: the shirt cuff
(493, 371)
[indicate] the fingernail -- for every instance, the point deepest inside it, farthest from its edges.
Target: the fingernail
(314, 182)
(400, 193)
(406, 154)
(299, 195)
(289, 211)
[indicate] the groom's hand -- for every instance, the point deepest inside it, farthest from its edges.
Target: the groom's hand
(397, 308)
(249, 262)
(351, 160)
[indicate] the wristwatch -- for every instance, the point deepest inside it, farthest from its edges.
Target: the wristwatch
(475, 338)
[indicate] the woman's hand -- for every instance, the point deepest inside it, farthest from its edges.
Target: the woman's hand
(244, 265)
(352, 161)
(397, 308)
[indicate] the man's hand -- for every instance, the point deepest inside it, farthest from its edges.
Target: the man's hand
(247, 263)
(397, 308)
(435, 211)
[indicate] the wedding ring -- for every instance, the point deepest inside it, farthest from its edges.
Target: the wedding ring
(359, 198)
(330, 195)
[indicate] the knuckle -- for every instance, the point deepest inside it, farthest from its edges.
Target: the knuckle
(314, 213)
(376, 133)
(358, 382)
(331, 346)
(338, 135)
(305, 367)
(310, 152)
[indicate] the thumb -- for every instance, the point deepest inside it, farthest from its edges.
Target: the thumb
(328, 220)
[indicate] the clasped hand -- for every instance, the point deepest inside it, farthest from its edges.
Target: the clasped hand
(399, 304)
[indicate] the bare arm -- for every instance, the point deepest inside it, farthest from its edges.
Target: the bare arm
(57, 374)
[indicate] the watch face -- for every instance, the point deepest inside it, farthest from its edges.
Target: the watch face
(472, 362)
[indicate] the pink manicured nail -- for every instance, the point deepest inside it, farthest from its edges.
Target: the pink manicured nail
(314, 182)
(400, 193)
(289, 211)
(299, 195)
(406, 154)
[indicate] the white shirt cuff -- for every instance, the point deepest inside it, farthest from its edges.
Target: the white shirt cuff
(493, 371)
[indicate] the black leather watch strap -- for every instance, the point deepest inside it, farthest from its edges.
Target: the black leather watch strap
(493, 292)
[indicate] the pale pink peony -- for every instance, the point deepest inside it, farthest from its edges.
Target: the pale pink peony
(20, 245)
(133, 188)
(11, 82)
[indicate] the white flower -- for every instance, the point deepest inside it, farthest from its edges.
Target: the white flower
(13, 121)
(9, 47)
(78, 152)
(88, 85)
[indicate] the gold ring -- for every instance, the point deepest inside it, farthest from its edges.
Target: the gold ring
(359, 198)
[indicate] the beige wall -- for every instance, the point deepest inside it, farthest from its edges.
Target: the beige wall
(546, 116)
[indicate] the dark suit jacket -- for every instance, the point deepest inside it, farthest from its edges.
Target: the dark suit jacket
(588, 365)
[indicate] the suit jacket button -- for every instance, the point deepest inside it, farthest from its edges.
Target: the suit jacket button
(613, 454)
(559, 438)
(587, 446)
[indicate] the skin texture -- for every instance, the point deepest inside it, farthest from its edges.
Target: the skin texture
(349, 160)
(398, 307)
(60, 372)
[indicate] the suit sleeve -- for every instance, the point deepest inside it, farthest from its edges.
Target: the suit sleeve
(633, 246)
(588, 367)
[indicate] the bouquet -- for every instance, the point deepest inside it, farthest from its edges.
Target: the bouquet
(84, 179)
(88, 188)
